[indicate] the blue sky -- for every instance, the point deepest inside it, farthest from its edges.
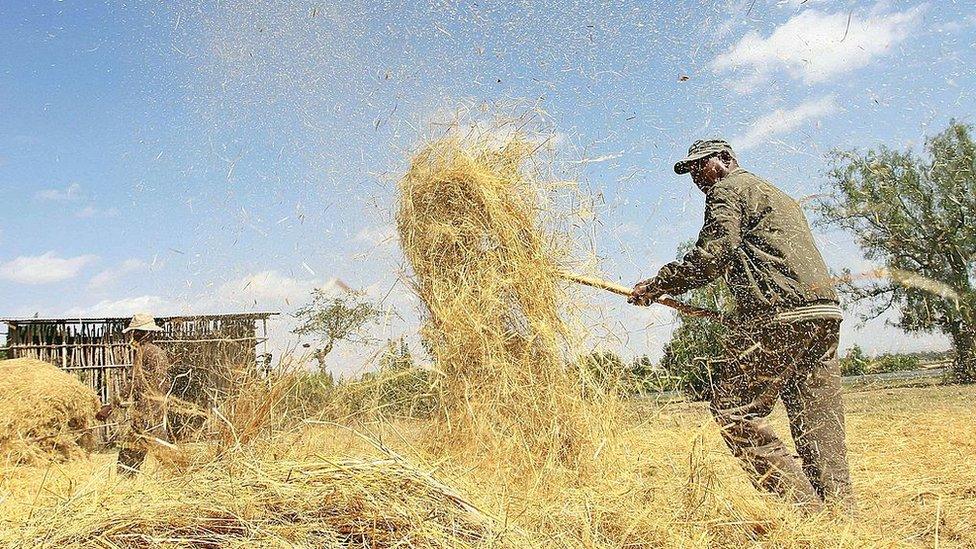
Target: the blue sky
(205, 156)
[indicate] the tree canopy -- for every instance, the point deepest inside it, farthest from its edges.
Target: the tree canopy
(333, 318)
(697, 342)
(914, 214)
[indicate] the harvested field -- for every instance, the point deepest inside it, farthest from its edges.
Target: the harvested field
(389, 250)
(250, 500)
(45, 413)
(672, 484)
(520, 452)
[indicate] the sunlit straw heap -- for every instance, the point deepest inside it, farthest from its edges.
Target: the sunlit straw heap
(45, 414)
(487, 274)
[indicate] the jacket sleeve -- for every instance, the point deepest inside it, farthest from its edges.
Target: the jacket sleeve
(717, 242)
(126, 382)
(125, 387)
(159, 365)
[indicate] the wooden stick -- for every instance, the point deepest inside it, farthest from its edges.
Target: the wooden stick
(679, 306)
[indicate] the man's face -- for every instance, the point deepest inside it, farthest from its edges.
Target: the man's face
(707, 171)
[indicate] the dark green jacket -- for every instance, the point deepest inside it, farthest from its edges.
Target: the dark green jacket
(757, 238)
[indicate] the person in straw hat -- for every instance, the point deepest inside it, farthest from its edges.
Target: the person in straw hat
(786, 323)
(144, 392)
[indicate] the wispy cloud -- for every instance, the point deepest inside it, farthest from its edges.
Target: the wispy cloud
(815, 46)
(109, 277)
(783, 121)
(43, 269)
(74, 193)
(68, 194)
(271, 289)
(957, 25)
(89, 212)
(377, 235)
(152, 304)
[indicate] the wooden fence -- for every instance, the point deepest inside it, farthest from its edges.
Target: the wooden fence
(201, 348)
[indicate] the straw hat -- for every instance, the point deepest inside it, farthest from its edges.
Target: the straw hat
(142, 322)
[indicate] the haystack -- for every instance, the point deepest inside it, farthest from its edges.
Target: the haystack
(45, 413)
(487, 273)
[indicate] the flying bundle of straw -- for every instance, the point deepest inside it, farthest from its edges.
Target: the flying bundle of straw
(45, 413)
(487, 274)
(253, 501)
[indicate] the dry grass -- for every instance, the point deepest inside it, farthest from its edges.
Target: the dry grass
(55, 423)
(671, 484)
(253, 500)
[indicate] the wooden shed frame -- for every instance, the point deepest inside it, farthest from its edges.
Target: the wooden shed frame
(98, 353)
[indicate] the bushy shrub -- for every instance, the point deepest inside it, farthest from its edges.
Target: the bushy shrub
(398, 388)
(643, 377)
(854, 362)
(603, 371)
(893, 363)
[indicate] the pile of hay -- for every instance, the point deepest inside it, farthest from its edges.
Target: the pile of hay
(45, 413)
(248, 500)
(488, 275)
(675, 486)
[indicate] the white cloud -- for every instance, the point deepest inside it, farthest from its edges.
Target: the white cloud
(957, 25)
(377, 235)
(108, 277)
(90, 211)
(783, 121)
(152, 304)
(43, 269)
(272, 289)
(815, 46)
(67, 194)
(799, 4)
(86, 213)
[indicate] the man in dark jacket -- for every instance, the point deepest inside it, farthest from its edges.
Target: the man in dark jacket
(786, 328)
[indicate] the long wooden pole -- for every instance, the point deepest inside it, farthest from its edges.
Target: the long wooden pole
(679, 306)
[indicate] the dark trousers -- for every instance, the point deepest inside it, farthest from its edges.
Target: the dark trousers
(795, 362)
(130, 460)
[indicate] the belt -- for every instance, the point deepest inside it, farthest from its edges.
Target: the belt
(811, 312)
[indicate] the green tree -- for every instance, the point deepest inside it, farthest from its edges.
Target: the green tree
(643, 376)
(330, 319)
(399, 386)
(894, 362)
(603, 370)
(916, 215)
(696, 343)
(854, 362)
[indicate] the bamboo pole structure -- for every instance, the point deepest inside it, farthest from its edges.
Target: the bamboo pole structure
(206, 351)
